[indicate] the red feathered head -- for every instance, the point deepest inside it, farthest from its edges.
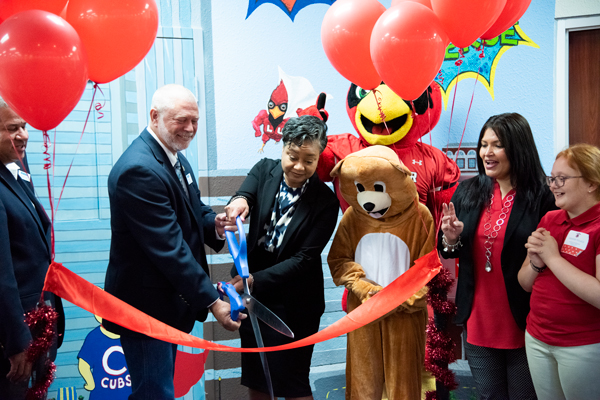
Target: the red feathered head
(278, 102)
(405, 121)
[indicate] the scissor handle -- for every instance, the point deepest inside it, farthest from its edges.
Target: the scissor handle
(239, 252)
(235, 300)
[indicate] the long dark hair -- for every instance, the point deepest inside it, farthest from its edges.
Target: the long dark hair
(526, 173)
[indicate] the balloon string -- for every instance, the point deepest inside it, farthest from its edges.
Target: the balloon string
(78, 143)
(469, 111)
(458, 64)
(47, 166)
(54, 158)
(381, 113)
(425, 160)
(481, 56)
(99, 106)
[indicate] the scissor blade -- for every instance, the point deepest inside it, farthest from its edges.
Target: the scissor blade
(265, 315)
(263, 356)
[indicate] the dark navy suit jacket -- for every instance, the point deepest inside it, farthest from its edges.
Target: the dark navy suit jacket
(157, 256)
(24, 259)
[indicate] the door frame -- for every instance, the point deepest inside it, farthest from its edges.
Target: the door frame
(561, 68)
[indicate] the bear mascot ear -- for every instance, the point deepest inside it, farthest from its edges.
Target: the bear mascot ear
(336, 170)
(399, 165)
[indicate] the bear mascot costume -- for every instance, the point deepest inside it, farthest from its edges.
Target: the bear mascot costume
(382, 233)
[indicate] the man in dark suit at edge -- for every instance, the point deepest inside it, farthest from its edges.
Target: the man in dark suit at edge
(159, 227)
(25, 254)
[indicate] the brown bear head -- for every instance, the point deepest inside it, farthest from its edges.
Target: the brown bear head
(374, 181)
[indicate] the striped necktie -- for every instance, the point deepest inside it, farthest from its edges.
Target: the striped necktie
(180, 176)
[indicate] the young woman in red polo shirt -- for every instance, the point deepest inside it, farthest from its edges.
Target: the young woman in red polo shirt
(563, 273)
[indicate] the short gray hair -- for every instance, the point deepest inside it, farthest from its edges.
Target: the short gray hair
(166, 96)
(297, 130)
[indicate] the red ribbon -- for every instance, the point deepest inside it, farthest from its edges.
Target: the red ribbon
(71, 287)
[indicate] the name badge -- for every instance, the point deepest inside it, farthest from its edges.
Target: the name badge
(575, 243)
(189, 178)
(25, 176)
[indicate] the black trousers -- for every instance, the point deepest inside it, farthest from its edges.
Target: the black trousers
(500, 374)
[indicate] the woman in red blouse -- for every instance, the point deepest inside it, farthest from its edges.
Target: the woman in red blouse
(487, 225)
(563, 273)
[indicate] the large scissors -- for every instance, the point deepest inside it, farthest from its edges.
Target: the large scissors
(239, 252)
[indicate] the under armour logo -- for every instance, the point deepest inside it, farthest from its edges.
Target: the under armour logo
(420, 162)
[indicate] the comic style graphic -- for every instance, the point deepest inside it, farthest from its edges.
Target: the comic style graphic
(478, 61)
(290, 7)
(291, 98)
(102, 365)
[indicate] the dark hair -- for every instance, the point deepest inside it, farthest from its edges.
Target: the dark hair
(307, 127)
(526, 173)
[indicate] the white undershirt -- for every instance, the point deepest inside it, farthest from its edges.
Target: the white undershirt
(13, 168)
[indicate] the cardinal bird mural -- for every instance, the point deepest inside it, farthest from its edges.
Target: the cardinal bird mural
(271, 119)
(294, 96)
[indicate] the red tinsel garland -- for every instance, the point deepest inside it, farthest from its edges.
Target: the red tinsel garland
(42, 323)
(440, 346)
(431, 394)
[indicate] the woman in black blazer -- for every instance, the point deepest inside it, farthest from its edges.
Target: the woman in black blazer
(487, 225)
(292, 216)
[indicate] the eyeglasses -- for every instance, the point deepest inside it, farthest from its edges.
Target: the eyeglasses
(559, 181)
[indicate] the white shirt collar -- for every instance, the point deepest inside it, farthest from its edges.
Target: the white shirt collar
(13, 168)
(172, 157)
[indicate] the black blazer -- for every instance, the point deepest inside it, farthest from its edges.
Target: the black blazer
(157, 258)
(521, 224)
(24, 260)
(295, 279)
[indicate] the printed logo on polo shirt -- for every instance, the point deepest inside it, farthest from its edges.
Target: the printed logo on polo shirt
(575, 243)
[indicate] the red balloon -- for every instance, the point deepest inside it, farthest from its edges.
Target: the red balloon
(346, 37)
(407, 47)
(466, 20)
(11, 7)
(43, 67)
(117, 34)
(426, 3)
(511, 13)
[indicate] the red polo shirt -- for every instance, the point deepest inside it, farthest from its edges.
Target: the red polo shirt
(558, 317)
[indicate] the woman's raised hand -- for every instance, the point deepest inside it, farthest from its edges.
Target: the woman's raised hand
(451, 226)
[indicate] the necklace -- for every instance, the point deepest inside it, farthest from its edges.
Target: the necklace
(491, 233)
